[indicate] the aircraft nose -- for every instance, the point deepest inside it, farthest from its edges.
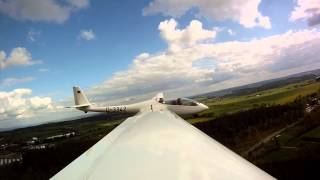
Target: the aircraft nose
(204, 106)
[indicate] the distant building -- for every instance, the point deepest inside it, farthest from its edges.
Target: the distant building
(11, 158)
(309, 109)
(8, 147)
(34, 140)
(39, 146)
(3, 146)
(30, 142)
(59, 136)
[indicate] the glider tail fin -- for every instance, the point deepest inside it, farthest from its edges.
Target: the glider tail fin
(80, 99)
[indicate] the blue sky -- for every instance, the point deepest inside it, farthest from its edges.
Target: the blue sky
(71, 60)
(117, 49)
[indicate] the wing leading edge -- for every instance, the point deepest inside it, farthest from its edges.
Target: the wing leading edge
(159, 145)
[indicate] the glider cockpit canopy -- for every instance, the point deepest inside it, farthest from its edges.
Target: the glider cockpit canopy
(181, 101)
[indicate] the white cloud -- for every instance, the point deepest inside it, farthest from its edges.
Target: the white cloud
(245, 12)
(33, 35)
(219, 62)
(87, 35)
(41, 10)
(18, 57)
(38, 102)
(18, 104)
(13, 81)
(307, 10)
(192, 34)
(231, 32)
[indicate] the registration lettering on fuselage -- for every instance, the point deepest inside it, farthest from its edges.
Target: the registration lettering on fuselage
(116, 109)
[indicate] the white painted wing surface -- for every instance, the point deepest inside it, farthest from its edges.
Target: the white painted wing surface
(160, 146)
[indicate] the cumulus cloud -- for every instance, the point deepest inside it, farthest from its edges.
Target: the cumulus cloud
(41, 10)
(33, 35)
(231, 32)
(245, 12)
(178, 38)
(219, 62)
(18, 57)
(307, 10)
(13, 81)
(18, 104)
(87, 35)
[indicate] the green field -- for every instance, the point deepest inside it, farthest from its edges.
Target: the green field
(315, 133)
(293, 146)
(301, 140)
(281, 95)
(82, 128)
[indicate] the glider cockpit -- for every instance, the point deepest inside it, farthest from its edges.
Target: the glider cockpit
(181, 101)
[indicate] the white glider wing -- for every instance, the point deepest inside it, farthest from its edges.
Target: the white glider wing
(159, 145)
